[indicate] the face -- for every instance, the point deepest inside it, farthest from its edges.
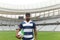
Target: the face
(27, 17)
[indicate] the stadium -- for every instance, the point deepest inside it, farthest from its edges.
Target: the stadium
(46, 18)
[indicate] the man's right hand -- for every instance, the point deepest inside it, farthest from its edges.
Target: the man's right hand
(18, 36)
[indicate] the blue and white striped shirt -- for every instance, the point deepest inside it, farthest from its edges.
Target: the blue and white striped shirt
(28, 28)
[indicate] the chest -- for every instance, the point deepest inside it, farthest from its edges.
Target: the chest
(27, 25)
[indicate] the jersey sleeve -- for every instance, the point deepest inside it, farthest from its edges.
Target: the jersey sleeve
(20, 26)
(34, 25)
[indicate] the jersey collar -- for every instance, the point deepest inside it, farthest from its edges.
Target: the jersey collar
(28, 22)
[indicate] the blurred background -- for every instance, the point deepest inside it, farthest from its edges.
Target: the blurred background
(45, 13)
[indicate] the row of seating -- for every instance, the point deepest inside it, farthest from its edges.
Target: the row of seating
(9, 22)
(7, 28)
(48, 28)
(39, 28)
(48, 21)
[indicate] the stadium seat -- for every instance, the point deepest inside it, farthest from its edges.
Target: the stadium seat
(57, 28)
(48, 28)
(5, 28)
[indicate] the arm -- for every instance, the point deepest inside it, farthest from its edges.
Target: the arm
(35, 31)
(35, 34)
(17, 30)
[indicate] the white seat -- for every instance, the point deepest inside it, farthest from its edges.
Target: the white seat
(48, 28)
(6, 27)
(12, 28)
(1, 28)
(58, 28)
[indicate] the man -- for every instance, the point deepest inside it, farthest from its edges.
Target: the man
(29, 29)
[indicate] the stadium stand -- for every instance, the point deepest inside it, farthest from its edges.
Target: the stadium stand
(48, 28)
(7, 28)
(47, 20)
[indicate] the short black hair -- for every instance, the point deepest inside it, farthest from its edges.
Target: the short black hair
(27, 14)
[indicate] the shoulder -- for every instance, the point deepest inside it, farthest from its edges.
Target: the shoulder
(32, 22)
(22, 22)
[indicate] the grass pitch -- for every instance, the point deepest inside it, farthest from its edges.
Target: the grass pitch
(10, 35)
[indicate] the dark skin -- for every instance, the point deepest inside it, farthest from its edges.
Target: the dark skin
(35, 32)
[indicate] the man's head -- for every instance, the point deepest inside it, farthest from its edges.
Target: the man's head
(27, 16)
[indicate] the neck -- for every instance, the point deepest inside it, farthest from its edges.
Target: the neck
(27, 20)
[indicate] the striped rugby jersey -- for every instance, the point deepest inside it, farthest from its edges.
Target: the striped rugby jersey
(28, 28)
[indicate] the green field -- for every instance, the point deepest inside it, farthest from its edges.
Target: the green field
(5, 35)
